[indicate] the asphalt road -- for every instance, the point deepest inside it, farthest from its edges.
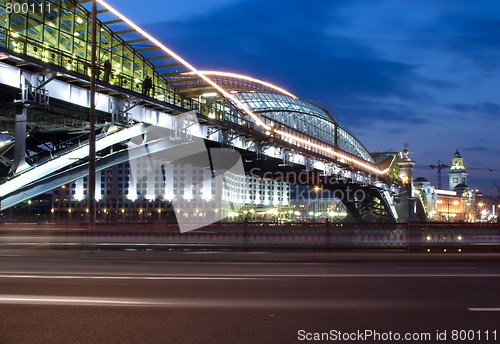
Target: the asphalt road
(85, 298)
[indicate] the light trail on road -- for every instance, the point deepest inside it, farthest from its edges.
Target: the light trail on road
(245, 276)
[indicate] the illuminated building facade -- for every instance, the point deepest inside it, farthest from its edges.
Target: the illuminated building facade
(458, 173)
(136, 192)
(458, 204)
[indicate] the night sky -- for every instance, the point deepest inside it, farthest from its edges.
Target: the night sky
(421, 72)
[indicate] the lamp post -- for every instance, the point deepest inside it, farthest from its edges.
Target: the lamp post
(317, 189)
(92, 136)
(480, 205)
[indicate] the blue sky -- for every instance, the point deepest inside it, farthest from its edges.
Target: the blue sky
(422, 72)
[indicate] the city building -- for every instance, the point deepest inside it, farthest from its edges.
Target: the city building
(457, 175)
(457, 204)
(143, 190)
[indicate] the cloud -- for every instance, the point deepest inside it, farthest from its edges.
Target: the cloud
(467, 30)
(293, 46)
(488, 109)
(474, 149)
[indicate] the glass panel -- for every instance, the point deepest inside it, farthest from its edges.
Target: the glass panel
(117, 46)
(79, 48)
(35, 33)
(65, 42)
(68, 62)
(80, 28)
(52, 17)
(128, 57)
(35, 30)
(3, 37)
(18, 24)
(138, 66)
(148, 70)
(50, 36)
(105, 45)
(4, 18)
(116, 65)
(36, 9)
(67, 4)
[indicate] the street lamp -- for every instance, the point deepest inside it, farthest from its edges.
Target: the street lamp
(480, 205)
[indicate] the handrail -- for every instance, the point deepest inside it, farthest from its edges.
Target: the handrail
(33, 48)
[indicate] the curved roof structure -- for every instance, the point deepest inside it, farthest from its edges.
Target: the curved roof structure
(189, 82)
(276, 104)
(306, 118)
(61, 37)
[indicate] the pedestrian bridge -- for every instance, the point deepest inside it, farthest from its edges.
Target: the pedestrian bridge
(45, 74)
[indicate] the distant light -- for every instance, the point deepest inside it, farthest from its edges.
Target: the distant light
(248, 78)
(209, 94)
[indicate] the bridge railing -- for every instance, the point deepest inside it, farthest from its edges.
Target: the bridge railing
(454, 237)
(72, 63)
(254, 236)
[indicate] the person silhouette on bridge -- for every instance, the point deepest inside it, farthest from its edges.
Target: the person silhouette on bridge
(147, 85)
(107, 71)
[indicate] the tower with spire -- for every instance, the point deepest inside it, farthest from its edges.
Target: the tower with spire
(458, 173)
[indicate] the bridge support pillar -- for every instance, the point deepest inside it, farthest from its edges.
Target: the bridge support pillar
(20, 143)
(406, 206)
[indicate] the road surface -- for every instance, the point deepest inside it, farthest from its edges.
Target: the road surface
(116, 298)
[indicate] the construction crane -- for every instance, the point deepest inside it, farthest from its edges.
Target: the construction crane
(439, 167)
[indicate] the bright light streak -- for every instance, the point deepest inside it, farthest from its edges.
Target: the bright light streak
(230, 96)
(247, 78)
(328, 150)
(209, 94)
